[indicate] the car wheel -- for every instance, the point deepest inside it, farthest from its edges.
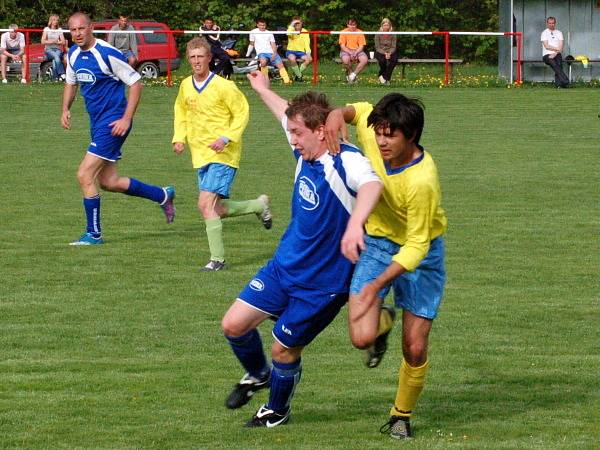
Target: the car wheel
(47, 71)
(148, 70)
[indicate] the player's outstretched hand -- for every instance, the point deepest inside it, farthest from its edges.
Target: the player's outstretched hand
(218, 146)
(258, 81)
(178, 147)
(120, 127)
(353, 242)
(335, 126)
(65, 120)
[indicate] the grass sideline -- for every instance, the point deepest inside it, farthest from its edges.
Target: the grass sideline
(120, 346)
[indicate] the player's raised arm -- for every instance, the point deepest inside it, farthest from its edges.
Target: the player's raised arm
(335, 126)
(274, 102)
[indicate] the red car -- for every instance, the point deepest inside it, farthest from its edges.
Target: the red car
(154, 50)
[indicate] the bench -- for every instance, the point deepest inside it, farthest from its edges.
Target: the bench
(403, 62)
(568, 63)
(14, 69)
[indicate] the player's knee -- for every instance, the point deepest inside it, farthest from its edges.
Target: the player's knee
(84, 178)
(232, 327)
(283, 354)
(415, 353)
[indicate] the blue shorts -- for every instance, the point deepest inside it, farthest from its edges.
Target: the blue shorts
(128, 54)
(300, 313)
(420, 291)
(297, 54)
(216, 178)
(106, 146)
(267, 56)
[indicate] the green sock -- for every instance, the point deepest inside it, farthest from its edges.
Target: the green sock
(296, 70)
(242, 208)
(214, 232)
(302, 67)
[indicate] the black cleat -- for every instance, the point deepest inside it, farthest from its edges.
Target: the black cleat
(397, 427)
(374, 354)
(265, 216)
(245, 389)
(213, 266)
(266, 417)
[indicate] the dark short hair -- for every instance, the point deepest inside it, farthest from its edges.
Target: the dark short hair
(352, 20)
(551, 18)
(398, 112)
(312, 106)
(261, 20)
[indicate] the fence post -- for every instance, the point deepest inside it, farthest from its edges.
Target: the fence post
(519, 44)
(26, 62)
(315, 77)
(447, 57)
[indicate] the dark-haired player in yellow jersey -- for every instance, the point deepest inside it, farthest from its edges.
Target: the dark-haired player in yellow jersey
(403, 246)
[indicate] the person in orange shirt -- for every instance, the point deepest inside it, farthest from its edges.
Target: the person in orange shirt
(352, 50)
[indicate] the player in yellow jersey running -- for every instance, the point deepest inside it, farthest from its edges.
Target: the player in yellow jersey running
(403, 246)
(211, 115)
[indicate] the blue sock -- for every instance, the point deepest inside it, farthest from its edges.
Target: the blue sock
(139, 189)
(249, 351)
(92, 214)
(284, 379)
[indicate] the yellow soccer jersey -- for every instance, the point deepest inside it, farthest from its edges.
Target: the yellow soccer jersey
(202, 115)
(409, 211)
(298, 42)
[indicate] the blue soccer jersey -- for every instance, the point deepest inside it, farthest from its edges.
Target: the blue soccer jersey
(323, 198)
(102, 72)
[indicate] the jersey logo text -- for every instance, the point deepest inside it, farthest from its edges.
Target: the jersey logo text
(86, 76)
(308, 194)
(257, 285)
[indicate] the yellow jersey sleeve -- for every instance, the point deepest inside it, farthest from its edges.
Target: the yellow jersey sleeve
(180, 121)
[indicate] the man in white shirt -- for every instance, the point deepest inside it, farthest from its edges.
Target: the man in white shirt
(552, 46)
(263, 41)
(12, 46)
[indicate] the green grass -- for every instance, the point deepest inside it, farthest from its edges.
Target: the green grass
(120, 346)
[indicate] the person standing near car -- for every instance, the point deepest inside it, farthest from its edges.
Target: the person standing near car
(12, 46)
(126, 43)
(103, 73)
(54, 42)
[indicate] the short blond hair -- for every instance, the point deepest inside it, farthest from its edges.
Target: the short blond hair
(197, 42)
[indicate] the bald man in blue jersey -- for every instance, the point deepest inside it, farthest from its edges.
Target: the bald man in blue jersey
(103, 72)
(307, 281)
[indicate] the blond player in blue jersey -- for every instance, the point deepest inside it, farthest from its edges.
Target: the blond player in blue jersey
(403, 246)
(211, 115)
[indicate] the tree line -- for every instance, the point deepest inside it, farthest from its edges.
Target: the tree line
(407, 15)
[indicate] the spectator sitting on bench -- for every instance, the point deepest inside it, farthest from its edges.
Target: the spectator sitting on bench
(552, 46)
(220, 62)
(298, 48)
(352, 50)
(54, 42)
(385, 51)
(263, 41)
(12, 46)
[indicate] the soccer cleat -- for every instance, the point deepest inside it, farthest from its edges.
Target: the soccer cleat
(299, 78)
(265, 216)
(352, 77)
(381, 79)
(266, 417)
(23, 81)
(374, 354)
(4, 81)
(167, 205)
(214, 266)
(245, 389)
(88, 239)
(397, 427)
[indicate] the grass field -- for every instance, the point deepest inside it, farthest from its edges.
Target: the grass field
(120, 346)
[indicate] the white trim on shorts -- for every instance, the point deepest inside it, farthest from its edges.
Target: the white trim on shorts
(256, 308)
(102, 157)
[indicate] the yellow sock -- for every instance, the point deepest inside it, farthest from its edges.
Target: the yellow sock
(284, 75)
(385, 322)
(410, 384)
(264, 70)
